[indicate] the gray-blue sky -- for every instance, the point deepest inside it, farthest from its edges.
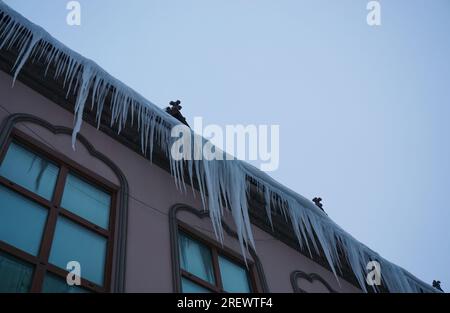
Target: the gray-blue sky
(364, 112)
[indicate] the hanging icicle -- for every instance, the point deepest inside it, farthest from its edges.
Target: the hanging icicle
(221, 183)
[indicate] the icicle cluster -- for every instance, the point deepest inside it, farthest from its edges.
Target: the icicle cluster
(222, 184)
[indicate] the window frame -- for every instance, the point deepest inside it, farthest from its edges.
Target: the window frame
(41, 262)
(216, 250)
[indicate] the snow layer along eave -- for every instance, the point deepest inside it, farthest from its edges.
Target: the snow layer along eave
(219, 179)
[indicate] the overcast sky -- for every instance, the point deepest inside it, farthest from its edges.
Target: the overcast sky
(363, 111)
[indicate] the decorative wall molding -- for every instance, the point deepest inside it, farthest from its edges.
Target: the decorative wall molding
(6, 128)
(312, 277)
(201, 214)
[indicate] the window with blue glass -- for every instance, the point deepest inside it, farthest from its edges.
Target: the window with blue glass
(52, 212)
(205, 267)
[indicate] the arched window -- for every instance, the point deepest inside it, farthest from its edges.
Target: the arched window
(202, 265)
(53, 212)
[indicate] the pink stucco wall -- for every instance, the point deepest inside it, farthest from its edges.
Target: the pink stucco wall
(148, 257)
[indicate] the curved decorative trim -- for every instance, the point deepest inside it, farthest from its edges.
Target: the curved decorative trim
(122, 200)
(310, 278)
(173, 226)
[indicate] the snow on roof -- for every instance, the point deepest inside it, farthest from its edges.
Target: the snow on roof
(227, 179)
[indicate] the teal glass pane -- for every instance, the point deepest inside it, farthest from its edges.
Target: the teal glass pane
(196, 259)
(56, 284)
(73, 242)
(188, 286)
(30, 171)
(86, 201)
(22, 221)
(234, 277)
(15, 275)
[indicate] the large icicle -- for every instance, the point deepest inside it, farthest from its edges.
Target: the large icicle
(221, 183)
